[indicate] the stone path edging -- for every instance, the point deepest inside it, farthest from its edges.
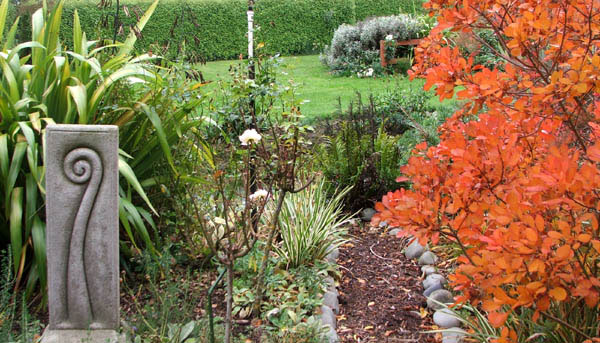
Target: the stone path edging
(331, 304)
(438, 297)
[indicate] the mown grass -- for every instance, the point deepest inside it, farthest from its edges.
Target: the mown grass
(317, 85)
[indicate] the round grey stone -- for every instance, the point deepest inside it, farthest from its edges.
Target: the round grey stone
(367, 214)
(328, 317)
(440, 296)
(331, 299)
(436, 286)
(453, 335)
(333, 255)
(445, 318)
(414, 250)
(394, 232)
(330, 282)
(427, 258)
(428, 270)
(332, 336)
(432, 279)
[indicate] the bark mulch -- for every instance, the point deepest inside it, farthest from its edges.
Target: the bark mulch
(380, 291)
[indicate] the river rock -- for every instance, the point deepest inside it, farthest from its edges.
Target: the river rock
(394, 232)
(414, 250)
(328, 317)
(427, 258)
(439, 296)
(332, 336)
(428, 270)
(333, 255)
(367, 214)
(436, 286)
(453, 335)
(445, 318)
(432, 279)
(331, 299)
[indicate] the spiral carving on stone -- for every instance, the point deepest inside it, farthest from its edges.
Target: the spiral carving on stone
(81, 166)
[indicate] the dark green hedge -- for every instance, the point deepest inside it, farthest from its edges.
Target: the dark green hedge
(300, 26)
(377, 8)
(216, 29)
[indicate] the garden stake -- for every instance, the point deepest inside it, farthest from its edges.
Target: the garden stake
(211, 323)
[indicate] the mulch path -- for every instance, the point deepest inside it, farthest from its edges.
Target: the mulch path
(380, 291)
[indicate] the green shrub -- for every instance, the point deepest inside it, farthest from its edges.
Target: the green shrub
(358, 153)
(355, 48)
(293, 297)
(16, 325)
(366, 146)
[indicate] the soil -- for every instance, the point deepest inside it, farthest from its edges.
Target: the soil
(380, 291)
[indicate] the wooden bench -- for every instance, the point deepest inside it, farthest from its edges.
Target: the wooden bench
(384, 62)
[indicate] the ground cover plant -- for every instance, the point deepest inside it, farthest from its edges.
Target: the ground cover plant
(513, 181)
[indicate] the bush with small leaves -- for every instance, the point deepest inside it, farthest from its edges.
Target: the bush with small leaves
(355, 48)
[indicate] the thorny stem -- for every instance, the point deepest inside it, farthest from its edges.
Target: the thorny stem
(265, 259)
(228, 319)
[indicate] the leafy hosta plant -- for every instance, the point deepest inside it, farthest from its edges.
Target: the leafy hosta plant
(42, 83)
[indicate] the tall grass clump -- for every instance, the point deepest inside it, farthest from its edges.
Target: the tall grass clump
(312, 224)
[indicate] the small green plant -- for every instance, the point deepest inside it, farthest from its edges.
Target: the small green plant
(162, 308)
(16, 325)
(358, 153)
(311, 224)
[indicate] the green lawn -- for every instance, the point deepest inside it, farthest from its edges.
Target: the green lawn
(316, 84)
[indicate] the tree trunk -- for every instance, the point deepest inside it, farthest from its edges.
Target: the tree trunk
(228, 317)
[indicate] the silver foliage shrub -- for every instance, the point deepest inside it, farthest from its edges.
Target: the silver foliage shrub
(355, 48)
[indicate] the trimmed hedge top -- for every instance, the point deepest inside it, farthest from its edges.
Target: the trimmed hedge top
(216, 29)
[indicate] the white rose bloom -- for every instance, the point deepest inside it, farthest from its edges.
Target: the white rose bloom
(219, 220)
(389, 37)
(261, 193)
(250, 136)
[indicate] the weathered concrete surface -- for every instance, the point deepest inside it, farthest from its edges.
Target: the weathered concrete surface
(82, 231)
(82, 336)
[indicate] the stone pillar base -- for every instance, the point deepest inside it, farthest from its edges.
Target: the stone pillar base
(82, 336)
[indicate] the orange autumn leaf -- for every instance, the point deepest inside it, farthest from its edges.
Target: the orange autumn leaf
(563, 252)
(558, 293)
(497, 319)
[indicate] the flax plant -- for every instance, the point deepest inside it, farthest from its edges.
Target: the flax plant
(41, 83)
